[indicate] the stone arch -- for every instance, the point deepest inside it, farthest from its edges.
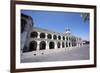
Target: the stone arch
(49, 36)
(34, 34)
(54, 37)
(63, 38)
(58, 44)
(42, 45)
(67, 38)
(51, 45)
(42, 35)
(59, 37)
(33, 46)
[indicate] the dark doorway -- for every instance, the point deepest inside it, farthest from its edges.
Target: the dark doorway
(33, 46)
(51, 45)
(42, 45)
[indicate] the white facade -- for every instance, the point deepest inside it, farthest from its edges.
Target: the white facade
(42, 41)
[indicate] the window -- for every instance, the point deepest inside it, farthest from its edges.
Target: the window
(42, 35)
(63, 38)
(49, 36)
(51, 45)
(54, 37)
(34, 34)
(66, 38)
(42, 45)
(59, 37)
(33, 46)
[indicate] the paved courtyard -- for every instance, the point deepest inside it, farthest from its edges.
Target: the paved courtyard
(79, 53)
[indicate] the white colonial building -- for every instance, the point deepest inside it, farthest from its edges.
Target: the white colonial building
(42, 41)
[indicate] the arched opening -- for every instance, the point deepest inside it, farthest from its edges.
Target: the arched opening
(54, 37)
(33, 46)
(63, 45)
(58, 44)
(66, 44)
(42, 45)
(49, 36)
(42, 35)
(66, 38)
(51, 45)
(63, 38)
(34, 34)
(59, 37)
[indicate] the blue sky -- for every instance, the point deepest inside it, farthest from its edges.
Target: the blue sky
(59, 21)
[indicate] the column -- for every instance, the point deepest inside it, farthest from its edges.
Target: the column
(57, 37)
(52, 36)
(61, 38)
(47, 45)
(38, 35)
(64, 44)
(77, 43)
(46, 36)
(68, 41)
(38, 45)
(61, 44)
(55, 44)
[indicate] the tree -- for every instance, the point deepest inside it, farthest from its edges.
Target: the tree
(85, 16)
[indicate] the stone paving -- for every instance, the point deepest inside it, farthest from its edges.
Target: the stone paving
(79, 53)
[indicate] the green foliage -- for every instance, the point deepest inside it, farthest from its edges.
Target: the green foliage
(85, 16)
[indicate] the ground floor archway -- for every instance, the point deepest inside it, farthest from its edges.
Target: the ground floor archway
(51, 45)
(42, 45)
(32, 46)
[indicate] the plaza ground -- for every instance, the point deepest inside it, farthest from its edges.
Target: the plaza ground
(76, 53)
